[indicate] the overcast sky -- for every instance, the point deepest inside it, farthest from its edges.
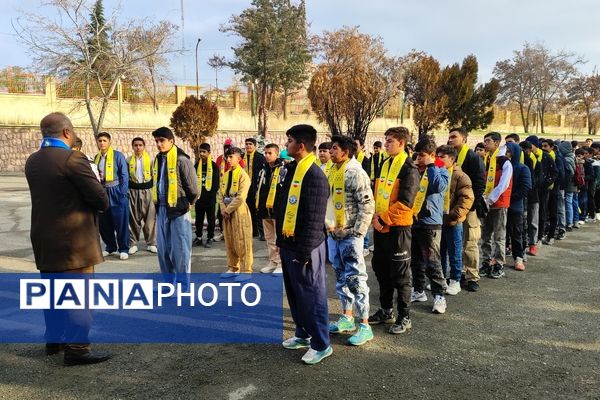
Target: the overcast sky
(448, 30)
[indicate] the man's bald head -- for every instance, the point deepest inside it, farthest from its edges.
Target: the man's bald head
(53, 125)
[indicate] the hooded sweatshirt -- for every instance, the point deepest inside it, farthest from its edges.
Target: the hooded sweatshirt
(522, 182)
(566, 150)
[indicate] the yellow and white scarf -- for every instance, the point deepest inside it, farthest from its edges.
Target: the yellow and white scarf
(360, 157)
(209, 174)
(337, 183)
(146, 165)
(235, 181)
(249, 163)
(447, 195)
(272, 189)
(491, 172)
(109, 171)
(462, 155)
(327, 168)
(171, 178)
(293, 200)
(386, 181)
(421, 194)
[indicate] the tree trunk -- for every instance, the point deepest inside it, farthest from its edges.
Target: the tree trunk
(524, 119)
(285, 100)
(262, 110)
(541, 112)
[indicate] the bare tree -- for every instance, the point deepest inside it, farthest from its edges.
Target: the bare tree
(583, 93)
(517, 85)
(71, 43)
(354, 83)
(217, 63)
(535, 77)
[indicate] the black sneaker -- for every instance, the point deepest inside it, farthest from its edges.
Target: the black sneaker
(548, 241)
(561, 235)
(400, 326)
(208, 243)
(569, 228)
(197, 242)
(485, 270)
(497, 272)
(472, 286)
(381, 317)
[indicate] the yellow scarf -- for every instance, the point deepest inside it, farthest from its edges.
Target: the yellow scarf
(273, 188)
(327, 169)
(235, 181)
(145, 164)
(386, 180)
(171, 178)
(293, 200)
(491, 172)
(360, 156)
(447, 195)
(209, 174)
(552, 154)
(533, 159)
(109, 172)
(421, 194)
(379, 162)
(337, 182)
(462, 155)
(250, 164)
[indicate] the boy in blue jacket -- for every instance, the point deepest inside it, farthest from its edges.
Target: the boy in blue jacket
(428, 210)
(522, 184)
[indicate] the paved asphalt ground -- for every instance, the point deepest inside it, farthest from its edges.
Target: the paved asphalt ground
(533, 334)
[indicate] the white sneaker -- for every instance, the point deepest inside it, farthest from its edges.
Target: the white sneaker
(277, 271)
(314, 357)
(439, 305)
(123, 256)
(372, 248)
(133, 249)
(580, 223)
(242, 277)
(366, 252)
(218, 237)
(268, 269)
(152, 249)
(229, 274)
(418, 296)
(106, 253)
(453, 287)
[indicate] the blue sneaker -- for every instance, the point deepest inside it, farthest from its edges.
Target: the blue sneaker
(362, 335)
(294, 343)
(344, 324)
(314, 357)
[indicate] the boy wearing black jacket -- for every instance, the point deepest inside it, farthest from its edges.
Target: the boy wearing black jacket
(207, 203)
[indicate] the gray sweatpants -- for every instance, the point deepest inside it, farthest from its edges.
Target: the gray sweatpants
(493, 236)
(142, 217)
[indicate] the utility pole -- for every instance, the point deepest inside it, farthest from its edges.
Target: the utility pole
(197, 87)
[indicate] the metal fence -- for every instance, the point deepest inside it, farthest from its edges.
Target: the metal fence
(22, 84)
(75, 89)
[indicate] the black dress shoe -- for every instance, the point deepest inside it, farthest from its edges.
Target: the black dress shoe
(472, 286)
(93, 357)
(208, 243)
(54, 348)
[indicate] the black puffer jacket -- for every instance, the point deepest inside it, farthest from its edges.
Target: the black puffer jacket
(310, 220)
(187, 183)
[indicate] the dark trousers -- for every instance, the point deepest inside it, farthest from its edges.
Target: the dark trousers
(514, 227)
(426, 260)
(391, 264)
(208, 209)
(306, 290)
(257, 228)
(544, 195)
(73, 325)
(553, 200)
(115, 220)
(591, 206)
(583, 204)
